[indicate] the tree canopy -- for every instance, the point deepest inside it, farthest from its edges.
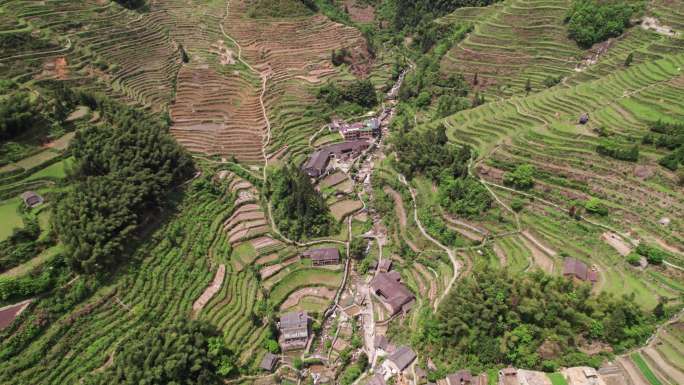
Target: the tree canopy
(593, 21)
(464, 196)
(299, 210)
(429, 153)
(360, 92)
(181, 353)
(123, 169)
(530, 320)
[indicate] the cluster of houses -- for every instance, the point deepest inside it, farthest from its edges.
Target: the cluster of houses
(360, 130)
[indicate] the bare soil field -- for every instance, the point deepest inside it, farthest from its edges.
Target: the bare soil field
(294, 298)
(9, 313)
(633, 373)
(540, 253)
(345, 207)
(358, 12)
(617, 243)
(210, 291)
(269, 271)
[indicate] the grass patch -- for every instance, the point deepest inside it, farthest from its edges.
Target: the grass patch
(645, 370)
(557, 379)
(57, 170)
(10, 217)
(245, 252)
(302, 278)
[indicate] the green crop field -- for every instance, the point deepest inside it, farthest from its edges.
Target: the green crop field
(645, 370)
(557, 379)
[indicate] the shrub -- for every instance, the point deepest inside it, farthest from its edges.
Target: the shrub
(517, 204)
(522, 177)
(613, 150)
(464, 196)
(653, 254)
(596, 206)
(633, 259)
(551, 81)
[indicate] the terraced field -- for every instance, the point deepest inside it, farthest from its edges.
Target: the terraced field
(294, 55)
(525, 39)
(542, 130)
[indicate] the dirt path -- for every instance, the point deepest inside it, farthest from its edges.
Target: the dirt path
(401, 213)
(632, 372)
(452, 256)
(503, 258)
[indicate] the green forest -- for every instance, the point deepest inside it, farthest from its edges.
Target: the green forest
(124, 169)
(593, 21)
(531, 320)
(298, 209)
(181, 352)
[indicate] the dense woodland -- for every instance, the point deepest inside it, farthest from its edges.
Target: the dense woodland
(593, 21)
(530, 320)
(429, 153)
(182, 352)
(124, 170)
(298, 209)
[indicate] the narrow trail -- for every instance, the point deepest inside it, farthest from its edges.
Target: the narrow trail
(452, 256)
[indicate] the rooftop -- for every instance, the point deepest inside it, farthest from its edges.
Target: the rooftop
(578, 269)
(323, 254)
(402, 357)
(391, 291)
(268, 362)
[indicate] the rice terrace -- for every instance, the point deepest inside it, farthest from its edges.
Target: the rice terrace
(349, 192)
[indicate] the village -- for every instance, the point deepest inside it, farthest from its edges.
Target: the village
(358, 320)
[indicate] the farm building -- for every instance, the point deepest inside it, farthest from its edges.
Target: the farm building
(269, 362)
(383, 346)
(317, 164)
(578, 270)
(464, 377)
(385, 265)
(32, 199)
(508, 376)
(294, 330)
(394, 295)
(398, 361)
(584, 118)
(323, 256)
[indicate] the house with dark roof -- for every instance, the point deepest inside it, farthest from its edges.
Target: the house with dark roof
(508, 376)
(387, 287)
(317, 164)
(269, 362)
(398, 361)
(32, 199)
(584, 118)
(385, 265)
(464, 377)
(576, 269)
(383, 346)
(323, 256)
(294, 330)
